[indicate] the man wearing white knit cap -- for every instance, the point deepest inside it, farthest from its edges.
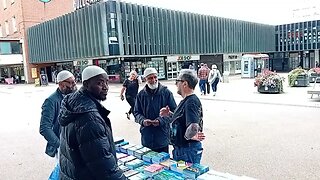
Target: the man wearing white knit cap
(153, 128)
(49, 126)
(87, 145)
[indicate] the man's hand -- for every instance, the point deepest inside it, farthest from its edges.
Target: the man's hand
(121, 97)
(165, 111)
(199, 136)
(147, 122)
(156, 122)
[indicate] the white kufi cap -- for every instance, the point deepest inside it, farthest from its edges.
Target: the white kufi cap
(149, 71)
(63, 75)
(92, 71)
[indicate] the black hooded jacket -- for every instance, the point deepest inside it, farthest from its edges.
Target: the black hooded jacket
(87, 149)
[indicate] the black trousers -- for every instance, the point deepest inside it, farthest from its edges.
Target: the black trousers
(208, 87)
(131, 100)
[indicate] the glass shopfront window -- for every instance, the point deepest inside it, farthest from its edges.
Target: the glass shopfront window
(141, 64)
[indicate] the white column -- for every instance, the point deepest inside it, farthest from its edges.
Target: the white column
(25, 67)
(316, 57)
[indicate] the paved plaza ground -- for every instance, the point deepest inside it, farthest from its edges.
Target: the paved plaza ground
(265, 136)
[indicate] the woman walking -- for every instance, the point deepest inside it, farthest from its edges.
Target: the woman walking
(214, 78)
(130, 87)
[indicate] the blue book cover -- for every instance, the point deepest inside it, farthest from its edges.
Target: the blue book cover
(149, 156)
(121, 144)
(134, 164)
(133, 149)
(202, 168)
(124, 148)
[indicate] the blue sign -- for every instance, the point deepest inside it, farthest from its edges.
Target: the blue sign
(45, 1)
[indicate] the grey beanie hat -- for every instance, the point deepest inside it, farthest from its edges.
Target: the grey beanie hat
(92, 71)
(63, 75)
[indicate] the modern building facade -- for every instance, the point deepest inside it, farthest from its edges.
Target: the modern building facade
(121, 37)
(16, 16)
(297, 44)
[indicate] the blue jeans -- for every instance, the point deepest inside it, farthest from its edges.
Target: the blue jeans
(214, 85)
(191, 153)
(202, 85)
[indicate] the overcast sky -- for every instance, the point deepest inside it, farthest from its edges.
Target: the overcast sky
(262, 11)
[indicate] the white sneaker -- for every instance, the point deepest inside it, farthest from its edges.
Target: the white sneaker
(214, 93)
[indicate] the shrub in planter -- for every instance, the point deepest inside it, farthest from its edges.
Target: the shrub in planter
(269, 82)
(298, 77)
(313, 74)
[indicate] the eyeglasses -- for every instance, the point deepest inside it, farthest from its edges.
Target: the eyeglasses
(179, 80)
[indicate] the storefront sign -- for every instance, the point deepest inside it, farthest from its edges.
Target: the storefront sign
(11, 59)
(183, 58)
(82, 63)
(232, 57)
(34, 73)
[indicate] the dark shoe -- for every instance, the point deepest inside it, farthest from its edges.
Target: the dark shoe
(128, 116)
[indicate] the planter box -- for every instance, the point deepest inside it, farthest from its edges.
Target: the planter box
(269, 89)
(313, 77)
(301, 81)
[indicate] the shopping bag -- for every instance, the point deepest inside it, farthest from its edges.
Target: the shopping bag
(55, 173)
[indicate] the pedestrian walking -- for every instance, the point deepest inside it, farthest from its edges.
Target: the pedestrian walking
(214, 78)
(87, 146)
(49, 126)
(130, 87)
(153, 128)
(203, 76)
(208, 85)
(186, 122)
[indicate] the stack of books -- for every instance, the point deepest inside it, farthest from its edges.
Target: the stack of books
(140, 163)
(169, 164)
(160, 157)
(121, 155)
(130, 173)
(152, 170)
(181, 165)
(139, 176)
(122, 143)
(134, 164)
(140, 152)
(149, 156)
(124, 149)
(132, 149)
(195, 170)
(125, 160)
(168, 175)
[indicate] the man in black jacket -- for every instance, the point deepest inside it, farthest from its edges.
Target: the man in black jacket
(86, 141)
(153, 128)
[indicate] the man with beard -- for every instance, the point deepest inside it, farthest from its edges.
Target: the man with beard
(154, 129)
(186, 122)
(49, 126)
(87, 149)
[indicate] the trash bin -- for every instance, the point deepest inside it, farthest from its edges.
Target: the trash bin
(225, 77)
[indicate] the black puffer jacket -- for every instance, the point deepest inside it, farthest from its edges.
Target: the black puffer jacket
(87, 148)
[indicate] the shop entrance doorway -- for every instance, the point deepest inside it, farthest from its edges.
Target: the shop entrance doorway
(173, 70)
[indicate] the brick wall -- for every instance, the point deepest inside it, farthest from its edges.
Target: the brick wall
(29, 13)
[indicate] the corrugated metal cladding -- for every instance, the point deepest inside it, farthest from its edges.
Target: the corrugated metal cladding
(141, 30)
(156, 31)
(77, 35)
